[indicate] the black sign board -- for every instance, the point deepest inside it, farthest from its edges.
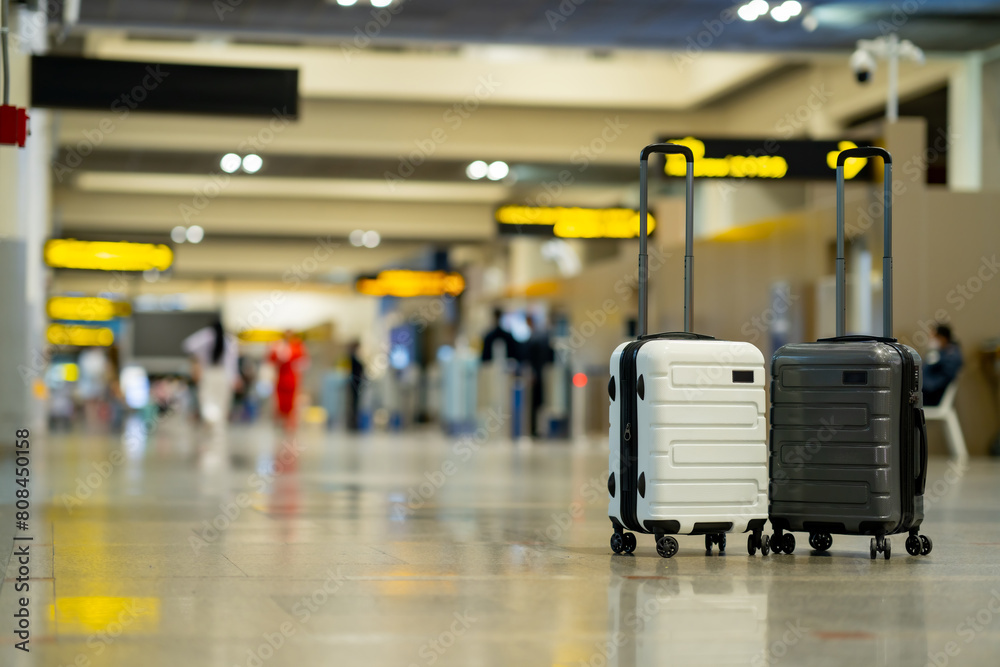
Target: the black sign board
(765, 159)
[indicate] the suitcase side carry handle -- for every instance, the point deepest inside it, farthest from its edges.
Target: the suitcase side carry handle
(924, 454)
(866, 151)
(666, 149)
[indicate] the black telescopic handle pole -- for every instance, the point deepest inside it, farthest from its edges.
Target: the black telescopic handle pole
(666, 149)
(866, 151)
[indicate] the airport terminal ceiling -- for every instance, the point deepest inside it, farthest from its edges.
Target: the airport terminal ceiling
(939, 25)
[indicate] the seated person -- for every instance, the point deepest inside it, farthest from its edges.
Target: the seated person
(941, 365)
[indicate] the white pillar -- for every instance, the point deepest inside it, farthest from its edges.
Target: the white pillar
(24, 224)
(965, 117)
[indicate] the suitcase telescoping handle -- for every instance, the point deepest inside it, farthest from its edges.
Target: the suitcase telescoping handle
(866, 151)
(666, 149)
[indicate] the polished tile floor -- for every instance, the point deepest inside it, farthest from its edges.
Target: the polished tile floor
(415, 549)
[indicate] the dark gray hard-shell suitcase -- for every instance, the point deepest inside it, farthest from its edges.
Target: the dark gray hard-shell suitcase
(848, 445)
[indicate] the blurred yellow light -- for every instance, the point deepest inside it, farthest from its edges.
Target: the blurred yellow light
(401, 283)
(87, 308)
(107, 256)
(80, 336)
(71, 372)
(852, 165)
(731, 166)
(576, 222)
(260, 336)
(99, 613)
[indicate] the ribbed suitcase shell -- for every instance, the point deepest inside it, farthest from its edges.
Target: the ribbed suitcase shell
(700, 438)
(848, 446)
(839, 461)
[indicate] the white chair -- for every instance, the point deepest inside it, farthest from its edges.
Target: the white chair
(945, 411)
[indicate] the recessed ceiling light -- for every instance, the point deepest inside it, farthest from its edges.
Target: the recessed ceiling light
(195, 234)
(252, 163)
(346, 3)
(230, 162)
(381, 3)
(357, 238)
(178, 234)
(371, 239)
(497, 170)
(476, 170)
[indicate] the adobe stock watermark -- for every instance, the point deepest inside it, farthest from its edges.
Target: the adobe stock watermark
(363, 36)
(462, 452)
(206, 193)
(454, 117)
(231, 510)
(294, 277)
(132, 441)
(968, 630)
(778, 649)
(99, 641)
(562, 12)
(624, 288)
(122, 106)
(432, 650)
(703, 39)
(303, 609)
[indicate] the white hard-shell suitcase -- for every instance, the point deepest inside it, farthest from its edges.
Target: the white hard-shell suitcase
(688, 437)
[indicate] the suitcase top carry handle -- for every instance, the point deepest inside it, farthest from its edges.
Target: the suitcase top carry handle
(866, 151)
(666, 149)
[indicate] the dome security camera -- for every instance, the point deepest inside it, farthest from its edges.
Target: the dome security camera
(863, 65)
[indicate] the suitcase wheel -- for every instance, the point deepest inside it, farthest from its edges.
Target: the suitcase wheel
(666, 546)
(880, 544)
(715, 538)
(623, 543)
(820, 541)
(918, 545)
(758, 541)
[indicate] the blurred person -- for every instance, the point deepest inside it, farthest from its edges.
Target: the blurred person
(942, 364)
(537, 355)
(499, 334)
(357, 379)
(289, 358)
(216, 372)
(91, 387)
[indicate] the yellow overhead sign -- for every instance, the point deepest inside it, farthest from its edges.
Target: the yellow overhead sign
(87, 308)
(773, 158)
(402, 283)
(107, 256)
(730, 166)
(573, 222)
(260, 336)
(81, 336)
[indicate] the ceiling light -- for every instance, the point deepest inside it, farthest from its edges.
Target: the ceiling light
(792, 7)
(178, 234)
(747, 13)
(195, 234)
(477, 170)
(759, 6)
(230, 162)
(346, 3)
(252, 163)
(497, 170)
(357, 238)
(371, 239)
(381, 3)
(779, 14)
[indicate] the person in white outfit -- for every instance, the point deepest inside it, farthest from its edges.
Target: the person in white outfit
(217, 357)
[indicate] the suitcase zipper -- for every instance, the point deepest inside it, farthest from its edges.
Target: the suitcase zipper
(908, 390)
(629, 441)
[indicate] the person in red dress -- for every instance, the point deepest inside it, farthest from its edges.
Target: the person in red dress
(290, 358)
